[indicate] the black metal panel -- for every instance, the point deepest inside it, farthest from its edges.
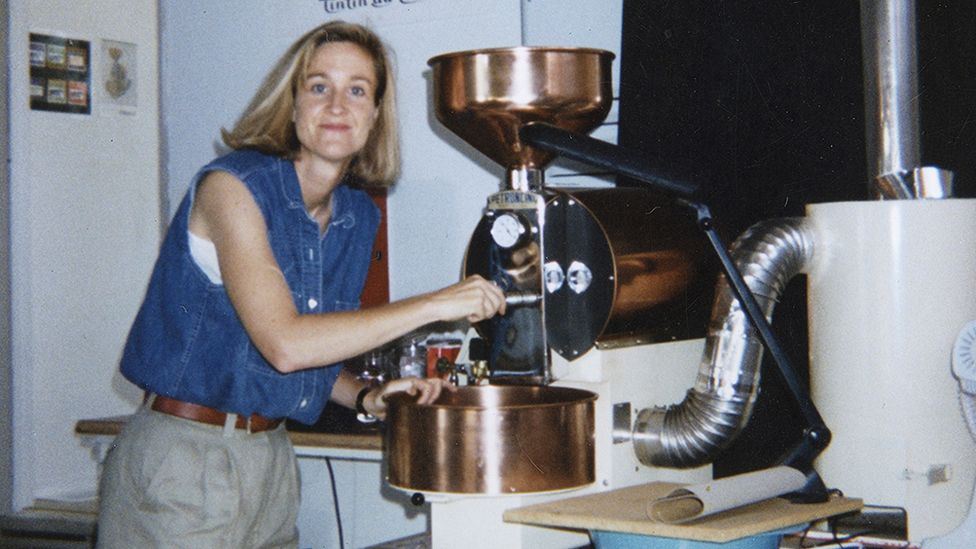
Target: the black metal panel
(576, 248)
(764, 100)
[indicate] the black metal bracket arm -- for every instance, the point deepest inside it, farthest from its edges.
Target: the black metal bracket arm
(816, 436)
(618, 160)
(610, 157)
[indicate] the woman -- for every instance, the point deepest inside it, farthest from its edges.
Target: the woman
(254, 296)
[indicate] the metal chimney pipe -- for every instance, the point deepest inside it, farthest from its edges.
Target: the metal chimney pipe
(888, 41)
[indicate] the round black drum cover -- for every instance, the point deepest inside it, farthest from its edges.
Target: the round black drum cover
(578, 276)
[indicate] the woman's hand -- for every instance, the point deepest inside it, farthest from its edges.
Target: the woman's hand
(473, 299)
(428, 389)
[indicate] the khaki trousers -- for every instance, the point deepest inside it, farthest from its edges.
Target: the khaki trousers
(175, 483)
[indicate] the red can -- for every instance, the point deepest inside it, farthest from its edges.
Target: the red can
(441, 357)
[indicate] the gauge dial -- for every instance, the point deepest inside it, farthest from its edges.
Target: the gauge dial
(506, 230)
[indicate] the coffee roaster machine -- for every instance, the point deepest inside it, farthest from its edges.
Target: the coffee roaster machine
(592, 364)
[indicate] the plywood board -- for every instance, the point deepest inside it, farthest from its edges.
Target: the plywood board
(623, 510)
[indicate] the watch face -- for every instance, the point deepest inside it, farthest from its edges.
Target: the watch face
(506, 230)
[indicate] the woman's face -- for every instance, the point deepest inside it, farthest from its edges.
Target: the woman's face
(335, 108)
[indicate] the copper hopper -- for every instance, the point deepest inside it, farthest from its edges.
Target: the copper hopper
(484, 96)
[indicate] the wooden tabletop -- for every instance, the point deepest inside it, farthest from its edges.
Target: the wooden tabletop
(111, 426)
(623, 510)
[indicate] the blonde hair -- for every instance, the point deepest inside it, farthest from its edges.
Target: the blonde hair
(267, 125)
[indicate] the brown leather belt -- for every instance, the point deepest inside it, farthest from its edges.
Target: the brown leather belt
(211, 416)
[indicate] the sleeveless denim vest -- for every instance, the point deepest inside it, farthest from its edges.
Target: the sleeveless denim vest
(187, 341)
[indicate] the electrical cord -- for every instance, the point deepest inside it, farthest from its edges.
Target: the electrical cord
(836, 538)
(335, 502)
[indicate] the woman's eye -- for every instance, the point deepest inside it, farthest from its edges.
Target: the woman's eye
(358, 91)
(317, 88)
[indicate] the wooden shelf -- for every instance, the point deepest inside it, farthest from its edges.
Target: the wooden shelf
(111, 426)
(623, 510)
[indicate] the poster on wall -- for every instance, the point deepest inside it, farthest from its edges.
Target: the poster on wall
(116, 86)
(60, 74)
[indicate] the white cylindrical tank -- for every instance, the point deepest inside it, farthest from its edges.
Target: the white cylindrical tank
(890, 287)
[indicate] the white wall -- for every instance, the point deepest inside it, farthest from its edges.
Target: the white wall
(84, 232)
(575, 23)
(580, 24)
(6, 426)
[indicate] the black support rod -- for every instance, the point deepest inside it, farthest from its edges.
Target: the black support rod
(614, 158)
(618, 160)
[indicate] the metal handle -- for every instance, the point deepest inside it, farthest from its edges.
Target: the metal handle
(521, 298)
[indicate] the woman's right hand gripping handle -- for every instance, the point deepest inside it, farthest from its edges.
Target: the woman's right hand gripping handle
(473, 299)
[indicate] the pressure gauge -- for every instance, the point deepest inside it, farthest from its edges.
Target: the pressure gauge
(506, 230)
(964, 357)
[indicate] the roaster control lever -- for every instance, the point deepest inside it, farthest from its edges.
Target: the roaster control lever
(520, 298)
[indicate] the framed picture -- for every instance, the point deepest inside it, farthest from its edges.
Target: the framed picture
(117, 76)
(60, 74)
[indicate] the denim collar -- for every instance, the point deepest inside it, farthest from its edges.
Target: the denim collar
(291, 189)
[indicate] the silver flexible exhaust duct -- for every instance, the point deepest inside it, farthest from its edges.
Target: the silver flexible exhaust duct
(692, 433)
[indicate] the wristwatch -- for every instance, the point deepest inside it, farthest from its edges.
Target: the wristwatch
(361, 414)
